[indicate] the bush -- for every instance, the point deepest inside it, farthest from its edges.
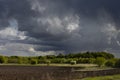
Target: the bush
(73, 62)
(110, 63)
(34, 61)
(117, 63)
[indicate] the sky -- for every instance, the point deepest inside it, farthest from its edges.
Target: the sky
(49, 27)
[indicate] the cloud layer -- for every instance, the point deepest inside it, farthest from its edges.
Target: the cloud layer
(44, 27)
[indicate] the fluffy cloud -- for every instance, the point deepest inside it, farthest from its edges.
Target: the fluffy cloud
(22, 50)
(11, 32)
(42, 27)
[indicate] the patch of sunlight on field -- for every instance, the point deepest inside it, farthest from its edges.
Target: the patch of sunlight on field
(60, 65)
(113, 77)
(76, 65)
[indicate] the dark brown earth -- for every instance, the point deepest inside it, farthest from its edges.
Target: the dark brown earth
(34, 73)
(49, 73)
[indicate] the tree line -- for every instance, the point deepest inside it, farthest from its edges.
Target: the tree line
(99, 58)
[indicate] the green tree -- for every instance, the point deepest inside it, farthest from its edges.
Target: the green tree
(48, 62)
(20, 61)
(58, 60)
(117, 63)
(13, 59)
(50, 56)
(2, 59)
(60, 55)
(100, 61)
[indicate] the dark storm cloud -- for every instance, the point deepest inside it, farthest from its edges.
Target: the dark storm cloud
(61, 25)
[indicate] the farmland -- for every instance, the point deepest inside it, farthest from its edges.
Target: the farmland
(33, 73)
(17, 72)
(38, 72)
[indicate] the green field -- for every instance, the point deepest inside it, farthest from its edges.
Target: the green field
(113, 77)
